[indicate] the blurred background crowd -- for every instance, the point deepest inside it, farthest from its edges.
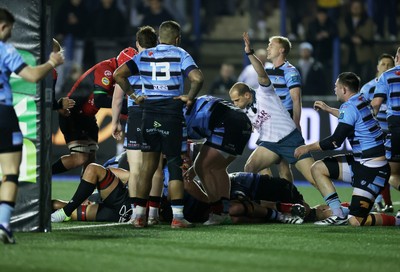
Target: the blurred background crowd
(328, 36)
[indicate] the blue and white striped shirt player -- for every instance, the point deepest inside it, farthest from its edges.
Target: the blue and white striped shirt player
(388, 87)
(368, 91)
(367, 139)
(198, 119)
(162, 70)
(10, 61)
(137, 86)
(284, 78)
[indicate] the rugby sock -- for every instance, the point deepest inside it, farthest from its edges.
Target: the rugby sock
(58, 167)
(379, 219)
(140, 211)
(333, 202)
(177, 208)
(284, 207)
(154, 206)
(272, 215)
(177, 211)
(140, 207)
(133, 206)
(6, 209)
(389, 220)
(85, 189)
(386, 194)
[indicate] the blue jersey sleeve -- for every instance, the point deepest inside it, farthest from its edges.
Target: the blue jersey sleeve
(188, 63)
(382, 88)
(348, 114)
(13, 59)
(292, 78)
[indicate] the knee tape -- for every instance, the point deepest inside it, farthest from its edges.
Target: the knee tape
(11, 178)
(175, 168)
(360, 206)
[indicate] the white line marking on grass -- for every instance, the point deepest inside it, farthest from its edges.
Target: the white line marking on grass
(91, 226)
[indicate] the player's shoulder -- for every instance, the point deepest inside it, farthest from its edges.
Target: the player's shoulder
(7, 49)
(107, 64)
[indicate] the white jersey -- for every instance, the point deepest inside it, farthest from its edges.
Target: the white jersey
(268, 115)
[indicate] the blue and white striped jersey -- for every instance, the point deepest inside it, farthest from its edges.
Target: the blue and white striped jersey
(284, 78)
(367, 138)
(10, 61)
(368, 92)
(198, 118)
(163, 69)
(388, 87)
(137, 86)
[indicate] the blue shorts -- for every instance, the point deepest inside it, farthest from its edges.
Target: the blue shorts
(286, 146)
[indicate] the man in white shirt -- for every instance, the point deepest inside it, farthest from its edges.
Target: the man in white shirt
(279, 136)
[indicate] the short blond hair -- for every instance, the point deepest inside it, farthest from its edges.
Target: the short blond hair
(284, 42)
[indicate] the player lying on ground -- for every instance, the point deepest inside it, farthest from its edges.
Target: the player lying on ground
(115, 205)
(257, 198)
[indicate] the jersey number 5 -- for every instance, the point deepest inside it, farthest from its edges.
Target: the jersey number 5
(164, 71)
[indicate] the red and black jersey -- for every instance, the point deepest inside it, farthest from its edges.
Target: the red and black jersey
(98, 78)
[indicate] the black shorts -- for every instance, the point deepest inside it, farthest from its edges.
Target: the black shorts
(394, 130)
(116, 207)
(230, 130)
(263, 187)
(11, 138)
(277, 189)
(133, 132)
(79, 127)
(162, 133)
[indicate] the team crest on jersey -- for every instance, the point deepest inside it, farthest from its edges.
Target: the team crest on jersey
(341, 115)
(150, 53)
(397, 73)
(105, 81)
(107, 73)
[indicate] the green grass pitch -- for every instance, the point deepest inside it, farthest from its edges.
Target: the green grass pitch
(77, 246)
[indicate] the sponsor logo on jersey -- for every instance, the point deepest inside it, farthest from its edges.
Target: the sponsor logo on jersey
(156, 124)
(105, 81)
(107, 73)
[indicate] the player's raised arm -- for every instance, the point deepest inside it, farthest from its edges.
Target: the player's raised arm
(263, 78)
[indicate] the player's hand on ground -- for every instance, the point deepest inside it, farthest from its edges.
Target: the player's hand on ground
(300, 151)
(320, 105)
